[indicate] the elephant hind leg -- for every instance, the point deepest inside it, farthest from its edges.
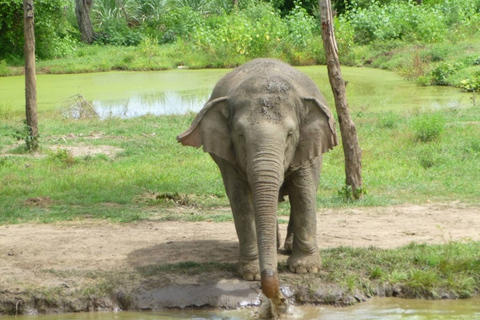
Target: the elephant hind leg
(288, 244)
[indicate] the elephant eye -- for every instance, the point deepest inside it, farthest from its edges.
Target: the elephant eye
(290, 133)
(240, 134)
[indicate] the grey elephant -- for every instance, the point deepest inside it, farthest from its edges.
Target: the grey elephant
(266, 125)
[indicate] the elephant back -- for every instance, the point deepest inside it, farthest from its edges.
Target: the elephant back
(266, 67)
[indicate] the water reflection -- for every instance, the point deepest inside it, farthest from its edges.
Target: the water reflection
(159, 103)
(182, 91)
(127, 94)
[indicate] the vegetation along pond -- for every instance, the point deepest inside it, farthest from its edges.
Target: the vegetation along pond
(128, 94)
(377, 308)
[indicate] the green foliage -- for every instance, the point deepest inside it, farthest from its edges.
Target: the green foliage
(344, 35)
(389, 120)
(301, 26)
(392, 19)
(251, 32)
(347, 193)
(52, 32)
(6, 111)
(471, 84)
(428, 127)
(117, 32)
(25, 134)
(4, 70)
(63, 156)
(397, 20)
(440, 74)
(415, 270)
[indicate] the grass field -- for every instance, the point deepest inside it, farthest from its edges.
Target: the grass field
(413, 158)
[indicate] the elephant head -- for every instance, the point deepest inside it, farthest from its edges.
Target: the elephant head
(264, 122)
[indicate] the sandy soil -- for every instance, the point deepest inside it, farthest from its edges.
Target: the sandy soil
(62, 257)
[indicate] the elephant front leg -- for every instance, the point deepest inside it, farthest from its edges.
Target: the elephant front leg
(239, 195)
(301, 239)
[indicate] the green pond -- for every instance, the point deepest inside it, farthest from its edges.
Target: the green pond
(377, 308)
(128, 94)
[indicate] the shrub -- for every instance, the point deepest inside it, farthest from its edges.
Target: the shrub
(428, 127)
(439, 75)
(181, 23)
(251, 32)
(4, 70)
(396, 20)
(301, 27)
(116, 31)
(471, 84)
(52, 32)
(389, 120)
(6, 111)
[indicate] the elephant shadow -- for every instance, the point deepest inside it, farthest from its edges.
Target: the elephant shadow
(175, 252)
(179, 274)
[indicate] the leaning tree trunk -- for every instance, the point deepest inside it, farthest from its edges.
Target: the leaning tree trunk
(30, 78)
(82, 11)
(351, 147)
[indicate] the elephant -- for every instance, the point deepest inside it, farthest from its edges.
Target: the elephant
(266, 126)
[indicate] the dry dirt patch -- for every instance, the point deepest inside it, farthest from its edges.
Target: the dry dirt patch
(87, 150)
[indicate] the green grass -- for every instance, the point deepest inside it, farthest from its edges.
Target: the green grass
(422, 271)
(413, 271)
(398, 167)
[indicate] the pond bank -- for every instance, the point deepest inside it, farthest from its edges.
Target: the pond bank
(93, 265)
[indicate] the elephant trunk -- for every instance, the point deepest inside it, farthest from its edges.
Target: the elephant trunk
(266, 178)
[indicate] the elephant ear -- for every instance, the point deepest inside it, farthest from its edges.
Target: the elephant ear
(210, 128)
(317, 131)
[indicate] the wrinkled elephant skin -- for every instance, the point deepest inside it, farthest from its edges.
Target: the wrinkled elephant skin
(266, 125)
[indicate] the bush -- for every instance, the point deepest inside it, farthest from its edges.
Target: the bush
(52, 32)
(116, 31)
(471, 84)
(428, 127)
(4, 70)
(439, 75)
(252, 32)
(408, 21)
(301, 27)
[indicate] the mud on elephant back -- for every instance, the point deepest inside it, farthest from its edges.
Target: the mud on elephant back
(266, 125)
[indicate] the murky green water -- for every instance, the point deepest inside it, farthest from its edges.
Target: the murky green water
(128, 94)
(377, 308)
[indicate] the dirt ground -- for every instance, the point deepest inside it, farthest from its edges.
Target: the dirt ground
(45, 267)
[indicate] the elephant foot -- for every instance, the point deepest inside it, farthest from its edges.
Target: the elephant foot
(304, 263)
(249, 270)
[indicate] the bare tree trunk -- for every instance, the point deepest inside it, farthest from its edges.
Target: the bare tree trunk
(82, 11)
(30, 79)
(351, 147)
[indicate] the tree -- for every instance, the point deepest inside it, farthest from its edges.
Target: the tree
(82, 11)
(351, 147)
(31, 138)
